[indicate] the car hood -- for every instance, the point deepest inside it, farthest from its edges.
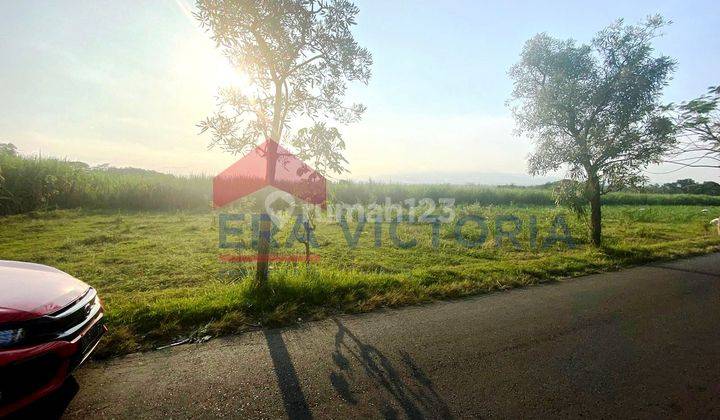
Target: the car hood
(32, 290)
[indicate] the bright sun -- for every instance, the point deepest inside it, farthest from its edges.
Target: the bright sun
(199, 59)
(226, 76)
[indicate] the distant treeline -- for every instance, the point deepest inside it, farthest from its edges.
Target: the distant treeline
(681, 186)
(33, 183)
(685, 186)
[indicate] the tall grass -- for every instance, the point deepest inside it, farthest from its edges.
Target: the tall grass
(33, 183)
(364, 192)
(661, 199)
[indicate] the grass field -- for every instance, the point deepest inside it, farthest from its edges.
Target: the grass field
(160, 277)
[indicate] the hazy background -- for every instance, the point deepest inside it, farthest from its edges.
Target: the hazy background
(125, 83)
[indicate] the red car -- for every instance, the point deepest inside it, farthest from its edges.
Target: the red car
(50, 322)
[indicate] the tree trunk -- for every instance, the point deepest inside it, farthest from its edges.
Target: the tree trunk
(263, 251)
(265, 228)
(595, 211)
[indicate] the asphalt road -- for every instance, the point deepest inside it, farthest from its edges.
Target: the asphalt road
(643, 342)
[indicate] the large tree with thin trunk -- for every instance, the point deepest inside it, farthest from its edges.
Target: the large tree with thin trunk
(594, 109)
(299, 56)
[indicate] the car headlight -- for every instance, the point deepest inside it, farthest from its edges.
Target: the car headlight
(11, 337)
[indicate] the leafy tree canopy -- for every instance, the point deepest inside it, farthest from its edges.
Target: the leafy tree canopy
(300, 56)
(699, 124)
(594, 108)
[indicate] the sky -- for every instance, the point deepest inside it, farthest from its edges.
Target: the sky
(125, 83)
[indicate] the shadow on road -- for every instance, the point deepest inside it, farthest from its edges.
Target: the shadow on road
(51, 407)
(414, 393)
(296, 405)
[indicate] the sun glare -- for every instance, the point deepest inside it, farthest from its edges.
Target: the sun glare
(227, 76)
(202, 60)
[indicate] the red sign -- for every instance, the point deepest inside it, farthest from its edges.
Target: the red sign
(269, 164)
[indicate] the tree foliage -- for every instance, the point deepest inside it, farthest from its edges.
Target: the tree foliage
(299, 56)
(571, 194)
(699, 123)
(594, 108)
(685, 186)
(8, 149)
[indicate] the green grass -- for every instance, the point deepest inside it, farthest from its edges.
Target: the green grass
(160, 277)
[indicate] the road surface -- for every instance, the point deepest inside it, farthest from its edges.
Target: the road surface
(643, 342)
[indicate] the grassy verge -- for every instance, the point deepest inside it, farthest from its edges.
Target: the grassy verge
(160, 277)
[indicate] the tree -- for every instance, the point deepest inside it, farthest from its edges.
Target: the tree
(594, 108)
(299, 56)
(699, 123)
(8, 149)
